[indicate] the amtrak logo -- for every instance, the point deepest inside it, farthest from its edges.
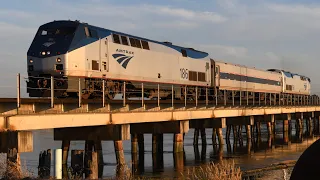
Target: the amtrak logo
(48, 44)
(121, 58)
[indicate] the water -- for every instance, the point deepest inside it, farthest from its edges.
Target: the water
(264, 152)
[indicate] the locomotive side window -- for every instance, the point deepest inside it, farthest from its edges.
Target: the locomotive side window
(94, 33)
(132, 42)
(201, 77)
(124, 40)
(116, 38)
(145, 45)
(193, 76)
(95, 65)
(184, 53)
(87, 31)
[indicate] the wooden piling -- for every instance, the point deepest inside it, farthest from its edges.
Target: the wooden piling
(13, 163)
(91, 165)
(134, 143)
(178, 143)
(77, 158)
(214, 141)
(269, 128)
(285, 131)
(196, 136)
(220, 136)
(98, 149)
(203, 136)
(118, 148)
(44, 164)
(248, 131)
(235, 134)
(228, 132)
(141, 152)
(65, 150)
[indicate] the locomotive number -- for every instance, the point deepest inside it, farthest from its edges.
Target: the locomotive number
(184, 73)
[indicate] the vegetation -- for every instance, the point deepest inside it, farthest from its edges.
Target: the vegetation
(224, 170)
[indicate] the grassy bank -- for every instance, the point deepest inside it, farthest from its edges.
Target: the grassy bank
(224, 170)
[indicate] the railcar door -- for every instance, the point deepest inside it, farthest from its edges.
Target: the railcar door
(104, 55)
(217, 71)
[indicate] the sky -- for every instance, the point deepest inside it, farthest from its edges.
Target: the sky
(265, 34)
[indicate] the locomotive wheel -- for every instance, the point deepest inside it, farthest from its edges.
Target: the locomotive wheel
(84, 95)
(111, 90)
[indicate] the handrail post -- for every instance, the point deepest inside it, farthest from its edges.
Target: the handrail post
(103, 93)
(142, 95)
(18, 90)
(158, 95)
(185, 96)
(207, 96)
(253, 98)
(52, 92)
(80, 92)
(224, 97)
(124, 93)
(172, 96)
(196, 96)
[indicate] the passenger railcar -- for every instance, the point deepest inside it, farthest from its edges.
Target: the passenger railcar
(294, 83)
(81, 55)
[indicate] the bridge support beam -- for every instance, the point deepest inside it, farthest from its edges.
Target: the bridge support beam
(107, 133)
(160, 127)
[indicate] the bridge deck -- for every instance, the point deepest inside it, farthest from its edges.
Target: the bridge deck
(38, 113)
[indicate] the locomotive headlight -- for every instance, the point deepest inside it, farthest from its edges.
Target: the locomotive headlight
(31, 61)
(48, 52)
(43, 53)
(58, 60)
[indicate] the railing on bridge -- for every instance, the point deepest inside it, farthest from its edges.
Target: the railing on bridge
(167, 92)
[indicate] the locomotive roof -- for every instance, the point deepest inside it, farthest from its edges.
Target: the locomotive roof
(76, 22)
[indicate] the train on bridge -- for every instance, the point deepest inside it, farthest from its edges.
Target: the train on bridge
(77, 55)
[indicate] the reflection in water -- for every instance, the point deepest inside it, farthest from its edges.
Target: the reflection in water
(245, 150)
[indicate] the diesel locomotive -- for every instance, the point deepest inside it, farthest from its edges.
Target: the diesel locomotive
(77, 55)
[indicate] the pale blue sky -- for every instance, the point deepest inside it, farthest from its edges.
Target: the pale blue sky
(260, 33)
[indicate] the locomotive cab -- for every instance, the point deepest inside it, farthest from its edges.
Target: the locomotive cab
(46, 56)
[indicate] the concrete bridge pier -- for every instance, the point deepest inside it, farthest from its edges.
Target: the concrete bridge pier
(13, 143)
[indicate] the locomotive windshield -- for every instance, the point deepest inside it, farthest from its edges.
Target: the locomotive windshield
(54, 37)
(61, 31)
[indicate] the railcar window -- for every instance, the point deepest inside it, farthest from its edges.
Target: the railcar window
(145, 45)
(124, 40)
(138, 43)
(116, 38)
(132, 42)
(201, 77)
(184, 53)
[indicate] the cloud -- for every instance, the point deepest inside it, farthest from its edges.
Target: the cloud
(176, 24)
(188, 14)
(299, 9)
(253, 33)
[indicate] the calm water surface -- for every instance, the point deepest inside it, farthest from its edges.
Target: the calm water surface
(264, 152)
